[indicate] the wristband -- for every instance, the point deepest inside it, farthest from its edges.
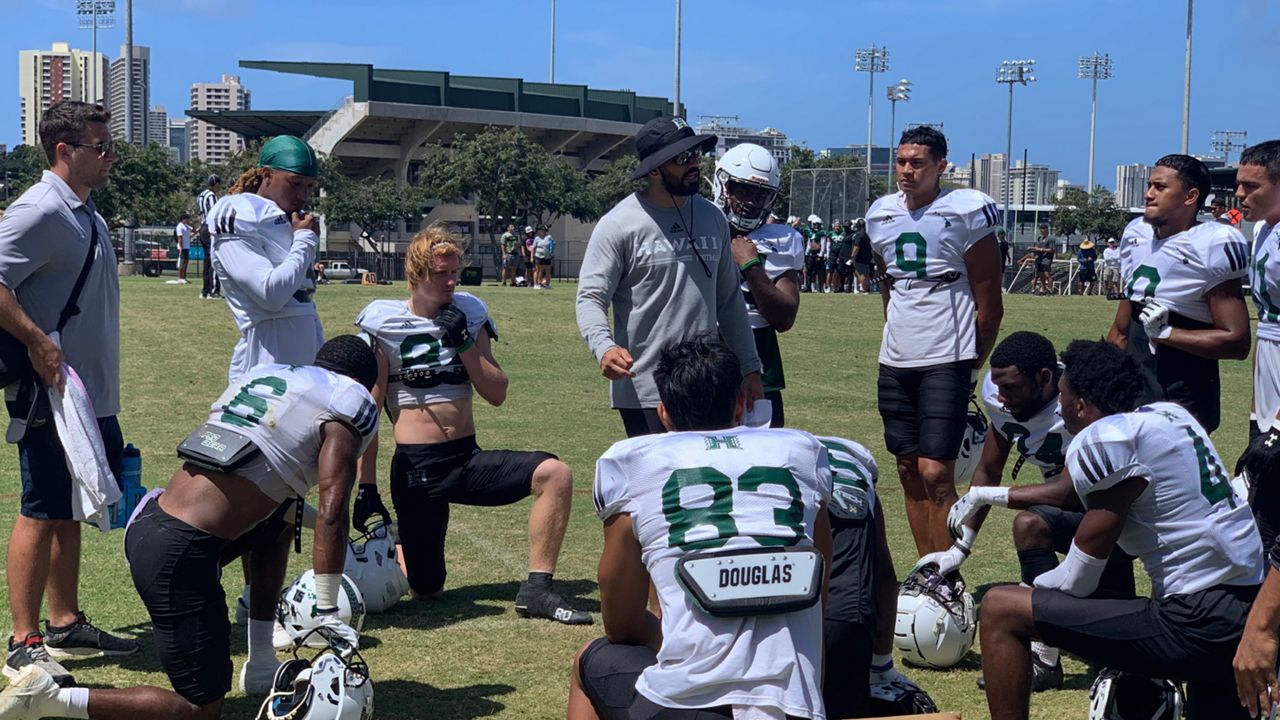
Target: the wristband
(327, 590)
(998, 496)
(749, 264)
(965, 541)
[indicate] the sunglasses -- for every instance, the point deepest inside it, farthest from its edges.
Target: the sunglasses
(104, 148)
(684, 157)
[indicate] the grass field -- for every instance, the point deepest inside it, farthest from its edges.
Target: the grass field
(469, 656)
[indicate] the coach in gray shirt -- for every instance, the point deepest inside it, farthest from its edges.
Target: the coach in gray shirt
(45, 237)
(661, 259)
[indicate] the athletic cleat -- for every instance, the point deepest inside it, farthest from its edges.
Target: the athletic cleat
(1043, 677)
(32, 694)
(548, 604)
(258, 681)
(32, 653)
(81, 638)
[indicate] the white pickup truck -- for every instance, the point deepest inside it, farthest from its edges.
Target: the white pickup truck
(341, 271)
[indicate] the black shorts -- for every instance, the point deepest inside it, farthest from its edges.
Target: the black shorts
(426, 479)
(608, 673)
(1117, 576)
(846, 686)
(851, 596)
(924, 408)
(184, 254)
(1087, 273)
(46, 482)
(176, 569)
(1190, 638)
(544, 262)
(1044, 266)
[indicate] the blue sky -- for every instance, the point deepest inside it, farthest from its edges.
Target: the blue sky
(782, 64)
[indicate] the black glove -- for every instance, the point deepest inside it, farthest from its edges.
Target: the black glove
(1262, 458)
(454, 324)
(368, 503)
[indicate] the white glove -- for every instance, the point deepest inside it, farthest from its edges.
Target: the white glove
(970, 503)
(329, 623)
(1078, 574)
(946, 560)
(1155, 319)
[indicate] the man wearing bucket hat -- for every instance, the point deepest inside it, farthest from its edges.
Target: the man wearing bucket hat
(264, 246)
(661, 259)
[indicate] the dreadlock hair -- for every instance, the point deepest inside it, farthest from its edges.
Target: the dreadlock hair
(249, 181)
(1102, 374)
(1029, 352)
(351, 356)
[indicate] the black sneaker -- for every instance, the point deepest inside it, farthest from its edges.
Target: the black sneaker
(81, 638)
(1043, 677)
(30, 652)
(535, 603)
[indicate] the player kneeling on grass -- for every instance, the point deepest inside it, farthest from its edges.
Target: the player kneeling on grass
(1153, 485)
(433, 351)
(729, 524)
(276, 433)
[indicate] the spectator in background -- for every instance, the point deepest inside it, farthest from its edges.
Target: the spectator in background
(544, 248)
(182, 231)
(211, 286)
(1087, 256)
(862, 257)
(527, 255)
(1005, 255)
(1111, 270)
(1042, 252)
(510, 255)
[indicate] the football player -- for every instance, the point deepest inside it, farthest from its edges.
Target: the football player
(815, 239)
(1183, 308)
(1020, 394)
(738, 514)
(434, 352)
(1258, 189)
(1152, 484)
(942, 311)
(271, 437)
(770, 257)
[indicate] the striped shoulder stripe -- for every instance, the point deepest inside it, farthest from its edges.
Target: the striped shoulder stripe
(990, 213)
(597, 497)
(1095, 462)
(225, 222)
(366, 418)
(1237, 255)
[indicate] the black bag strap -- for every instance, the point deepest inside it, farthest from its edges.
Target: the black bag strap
(71, 309)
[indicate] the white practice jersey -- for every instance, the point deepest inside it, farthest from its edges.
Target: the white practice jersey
(724, 490)
(1188, 527)
(1264, 279)
(423, 368)
(281, 408)
(265, 275)
(1179, 270)
(781, 249)
(931, 318)
(1042, 440)
(854, 474)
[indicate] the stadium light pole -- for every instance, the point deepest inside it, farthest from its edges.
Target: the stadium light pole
(96, 15)
(1186, 87)
(1094, 67)
(1012, 72)
(1224, 141)
(871, 61)
(677, 93)
(896, 93)
(553, 41)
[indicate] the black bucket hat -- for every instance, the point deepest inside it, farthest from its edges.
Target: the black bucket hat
(663, 138)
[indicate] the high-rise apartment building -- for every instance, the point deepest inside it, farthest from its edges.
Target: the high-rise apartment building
(209, 143)
(48, 77)
(1032, 185)
(178, 146)
(729, 133)
(1131, 184)
(158, 126)
(991, 175)
(139, 77)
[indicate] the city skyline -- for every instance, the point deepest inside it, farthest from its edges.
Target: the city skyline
(807, 89)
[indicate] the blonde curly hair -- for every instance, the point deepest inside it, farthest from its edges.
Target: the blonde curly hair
(434, 242)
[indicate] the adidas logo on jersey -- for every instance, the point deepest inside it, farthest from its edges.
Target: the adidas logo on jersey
(675, 228)
(883, 219)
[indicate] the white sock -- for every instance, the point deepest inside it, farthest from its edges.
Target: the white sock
(244, 595)
(1047, 655)
(74, 702)
(260, 648)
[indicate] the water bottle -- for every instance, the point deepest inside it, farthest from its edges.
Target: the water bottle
(131, 490)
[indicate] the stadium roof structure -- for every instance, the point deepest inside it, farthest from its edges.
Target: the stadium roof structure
(381, 127)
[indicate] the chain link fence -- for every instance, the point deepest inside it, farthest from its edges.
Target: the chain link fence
(830, 193)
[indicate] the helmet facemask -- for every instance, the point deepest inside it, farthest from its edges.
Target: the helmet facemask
(746, 204)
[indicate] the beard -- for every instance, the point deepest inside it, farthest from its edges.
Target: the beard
(680, 187)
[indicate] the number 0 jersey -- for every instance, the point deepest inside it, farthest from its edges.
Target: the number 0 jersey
(1042, 440)
(281, 408)
(931, 307)
(1264, 279)
(724, 490)
(423, 368)
(1189, 528)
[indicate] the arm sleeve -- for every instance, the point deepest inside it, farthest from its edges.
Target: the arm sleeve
(609, 490)
(980, 219)
(597, 281)
(22, 250)
(1101, 457)
(268, 286)
(731, 309)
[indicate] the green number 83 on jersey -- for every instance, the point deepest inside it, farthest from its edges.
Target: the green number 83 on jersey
(713, 524)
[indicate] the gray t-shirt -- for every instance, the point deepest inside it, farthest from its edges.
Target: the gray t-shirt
(640, 262)
(44, 238)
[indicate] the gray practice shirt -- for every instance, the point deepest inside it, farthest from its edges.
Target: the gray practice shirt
(640, 262)
(44, 238)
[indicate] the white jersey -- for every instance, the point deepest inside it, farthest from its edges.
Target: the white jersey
(723, 489)
(281, 408)
(1188, 527)
(423, 368)
(1264, 279)
(1179, 270)
(854, 474)
(781, 249)
(1042, 440)
(183, 231)
(931, 316)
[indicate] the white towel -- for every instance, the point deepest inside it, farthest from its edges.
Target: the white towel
(94, 486)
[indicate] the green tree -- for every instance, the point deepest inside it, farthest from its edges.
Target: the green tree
(610, 186)
(20, 168)
(375, 205)
(146, 185)
(1093, 215)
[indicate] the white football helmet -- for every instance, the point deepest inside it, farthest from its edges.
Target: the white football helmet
(745, 184)
(815, 219)
(1117, 695)
(936, 620)
(975, 436)
(333, 685)
(372, 565)
(296, 612)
